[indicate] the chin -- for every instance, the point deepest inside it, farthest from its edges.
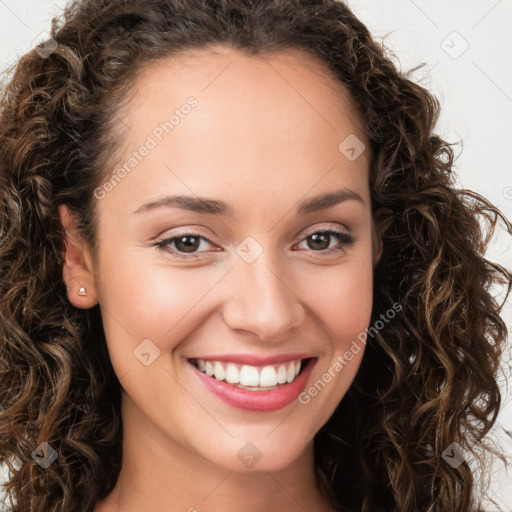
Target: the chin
(257, 456)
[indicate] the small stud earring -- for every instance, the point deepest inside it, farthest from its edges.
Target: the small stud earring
(82, 292)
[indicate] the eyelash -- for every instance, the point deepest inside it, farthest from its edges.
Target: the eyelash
(345, 239)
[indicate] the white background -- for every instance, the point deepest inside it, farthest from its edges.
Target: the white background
(474, 85)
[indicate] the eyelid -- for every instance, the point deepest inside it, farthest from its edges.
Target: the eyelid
(315, 228)
(186, 230)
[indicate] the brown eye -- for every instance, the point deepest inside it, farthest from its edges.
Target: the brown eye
(319, 241)
(187, 243)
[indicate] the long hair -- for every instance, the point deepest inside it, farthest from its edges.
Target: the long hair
(428, 378)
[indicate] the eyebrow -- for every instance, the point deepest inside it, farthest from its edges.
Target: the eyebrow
(215, 207)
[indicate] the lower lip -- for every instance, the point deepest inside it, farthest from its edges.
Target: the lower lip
(261, 401)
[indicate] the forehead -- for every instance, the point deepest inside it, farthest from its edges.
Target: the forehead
(258, 123)
(288, 80)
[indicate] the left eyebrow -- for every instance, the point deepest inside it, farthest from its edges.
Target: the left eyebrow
(327, 200)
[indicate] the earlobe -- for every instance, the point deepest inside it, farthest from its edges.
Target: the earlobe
(77, 271)
(376, 245)
(377, 254)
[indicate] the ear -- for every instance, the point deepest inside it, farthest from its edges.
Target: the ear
(78, 269)
(376, 244)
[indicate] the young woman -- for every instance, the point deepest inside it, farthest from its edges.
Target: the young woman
(236, 272)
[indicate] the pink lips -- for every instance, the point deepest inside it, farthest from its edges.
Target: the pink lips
(261, 401)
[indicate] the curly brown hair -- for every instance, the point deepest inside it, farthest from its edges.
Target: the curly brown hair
(427, 379)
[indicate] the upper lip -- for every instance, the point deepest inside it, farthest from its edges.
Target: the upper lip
(254, 360)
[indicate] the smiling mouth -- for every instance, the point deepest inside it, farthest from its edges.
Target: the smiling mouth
(254, 378)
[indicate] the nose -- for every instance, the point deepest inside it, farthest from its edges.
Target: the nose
(261, 303)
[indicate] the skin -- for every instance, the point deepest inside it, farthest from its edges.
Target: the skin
(263, 137)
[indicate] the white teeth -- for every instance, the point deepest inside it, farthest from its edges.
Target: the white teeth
(232, 374)
(209, 368)
(250, 376)
(290, 374)
(268, 376)
(220, 374)
(281, 374)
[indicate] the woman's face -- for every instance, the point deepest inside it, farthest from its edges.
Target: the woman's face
(262, 273)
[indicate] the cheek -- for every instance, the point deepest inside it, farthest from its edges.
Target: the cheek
(351, 313)
(142, 300)
(343, 303)
(343, 298)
